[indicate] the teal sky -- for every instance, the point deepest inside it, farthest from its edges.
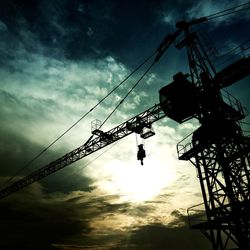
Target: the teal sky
(58, 59)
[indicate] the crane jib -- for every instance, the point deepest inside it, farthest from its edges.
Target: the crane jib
(92, 145)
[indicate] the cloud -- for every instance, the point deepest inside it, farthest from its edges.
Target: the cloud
(57, 217)
(80, 218)
(160, 237)
(40, 222)
(40, 85)
(59, 28)
(90, 32)
(170, 13)
(201, 9)
(3, 26)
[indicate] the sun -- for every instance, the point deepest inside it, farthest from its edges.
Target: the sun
(133, 182)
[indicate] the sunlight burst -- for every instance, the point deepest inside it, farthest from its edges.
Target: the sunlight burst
(136, 183)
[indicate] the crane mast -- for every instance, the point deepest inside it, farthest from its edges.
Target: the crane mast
(218, 149)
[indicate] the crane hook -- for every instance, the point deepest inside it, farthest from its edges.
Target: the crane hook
(141, 153)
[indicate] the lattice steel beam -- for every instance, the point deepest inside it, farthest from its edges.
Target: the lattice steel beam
(147, 117)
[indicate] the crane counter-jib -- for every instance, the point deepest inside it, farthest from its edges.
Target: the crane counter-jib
(144, 119)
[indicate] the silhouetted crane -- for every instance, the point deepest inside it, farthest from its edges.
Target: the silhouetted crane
(218, 148)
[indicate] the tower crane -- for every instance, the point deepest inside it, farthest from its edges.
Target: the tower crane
(218, 148)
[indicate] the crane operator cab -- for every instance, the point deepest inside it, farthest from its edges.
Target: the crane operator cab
(141, 154)
(179, 98)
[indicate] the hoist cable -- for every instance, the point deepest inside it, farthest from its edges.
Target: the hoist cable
(232, 10)
(232, 56)
(89, 163)
(128, 93)
(136, 140)
(235, 48)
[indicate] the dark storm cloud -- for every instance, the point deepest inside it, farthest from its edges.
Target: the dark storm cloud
(81, 29)
(71, 29)
(39, 222)
(157, 236)
(65, 223)
(179, 220)
(77, 29)
(57, 219)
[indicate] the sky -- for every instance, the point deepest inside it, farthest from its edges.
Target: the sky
(57, 60)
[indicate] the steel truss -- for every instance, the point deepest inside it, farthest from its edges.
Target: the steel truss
(95, 143)
(223, 168)
(220, 152)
